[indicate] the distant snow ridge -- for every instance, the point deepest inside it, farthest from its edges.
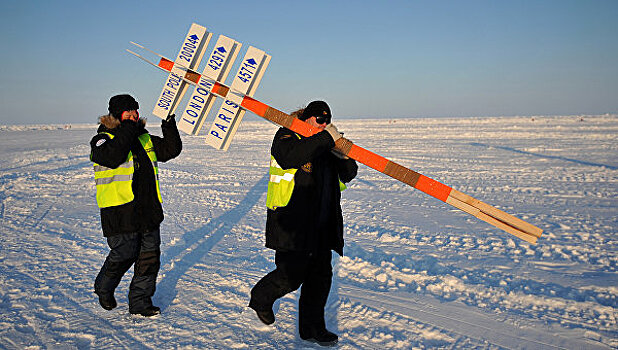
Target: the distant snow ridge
(47, 127)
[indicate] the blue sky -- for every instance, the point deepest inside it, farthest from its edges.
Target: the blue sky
(62, 60)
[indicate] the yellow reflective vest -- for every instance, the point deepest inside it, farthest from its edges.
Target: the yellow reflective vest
(281, 185)
(114, 186)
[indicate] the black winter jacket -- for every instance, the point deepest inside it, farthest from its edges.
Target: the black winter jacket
(144, 213)
(312, 220)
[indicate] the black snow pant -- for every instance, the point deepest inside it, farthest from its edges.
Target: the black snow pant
(311, 270)
(141, 249)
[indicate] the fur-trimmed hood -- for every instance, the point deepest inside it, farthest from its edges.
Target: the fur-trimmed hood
(112, 123)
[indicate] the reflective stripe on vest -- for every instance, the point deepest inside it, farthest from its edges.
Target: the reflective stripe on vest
(281, 185)
(114, 185)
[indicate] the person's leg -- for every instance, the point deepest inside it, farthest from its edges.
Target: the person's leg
(146, 268)
(313, 297)
(287, 277)
(122, 254)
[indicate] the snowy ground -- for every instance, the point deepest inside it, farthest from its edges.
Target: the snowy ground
(417, 273)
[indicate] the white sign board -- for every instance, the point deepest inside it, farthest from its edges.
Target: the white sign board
(217, 67)
(190, 55)
(245, 82)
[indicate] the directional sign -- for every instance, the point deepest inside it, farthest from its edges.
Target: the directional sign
(190, 55)
(217, 67)
(245, 82)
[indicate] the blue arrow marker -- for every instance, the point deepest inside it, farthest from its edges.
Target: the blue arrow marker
(194, 37)
(251, 61)
(221, 49)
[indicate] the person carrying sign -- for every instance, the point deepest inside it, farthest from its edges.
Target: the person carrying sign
(304, 221)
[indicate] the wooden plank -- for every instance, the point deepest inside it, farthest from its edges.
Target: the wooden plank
(463, 206)
(497, 213)
(510, 229)
(491, 220)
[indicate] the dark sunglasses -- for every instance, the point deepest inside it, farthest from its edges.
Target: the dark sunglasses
(322, 120)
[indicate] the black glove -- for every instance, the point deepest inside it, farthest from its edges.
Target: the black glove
(170, 119)
(334, 133)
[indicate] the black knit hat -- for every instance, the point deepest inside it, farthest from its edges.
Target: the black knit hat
(316, 109)
(121, 103)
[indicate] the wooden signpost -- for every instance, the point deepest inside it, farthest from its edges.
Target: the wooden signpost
(242, 99)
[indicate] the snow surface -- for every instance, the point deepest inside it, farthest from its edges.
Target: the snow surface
(417, 273)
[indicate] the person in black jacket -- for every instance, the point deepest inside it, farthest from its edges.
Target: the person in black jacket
(304, 230)
(126, 175)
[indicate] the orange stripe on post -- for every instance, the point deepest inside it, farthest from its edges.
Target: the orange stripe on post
(302, 128)
(166, 64)
(254, 106)
(368, 158)
(433, 188)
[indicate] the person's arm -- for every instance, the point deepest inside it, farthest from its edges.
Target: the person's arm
(170, 145)
(111, 152)
(347, 169)
(292, 152)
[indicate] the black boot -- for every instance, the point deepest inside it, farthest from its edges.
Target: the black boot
(266, 316)
(107, 301)
(147, 312)
(321, 336)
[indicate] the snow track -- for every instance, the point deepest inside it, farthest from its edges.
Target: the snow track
(469, 327)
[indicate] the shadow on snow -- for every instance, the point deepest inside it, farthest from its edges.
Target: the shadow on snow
(582, 162)
(200, 241)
